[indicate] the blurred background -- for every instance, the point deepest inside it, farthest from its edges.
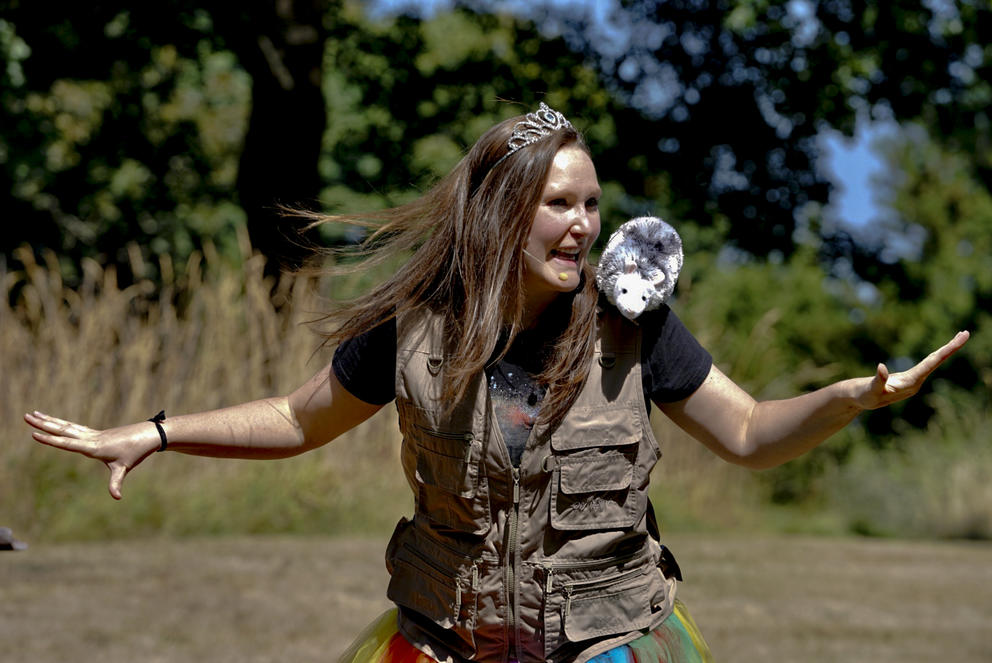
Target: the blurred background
(828, 165)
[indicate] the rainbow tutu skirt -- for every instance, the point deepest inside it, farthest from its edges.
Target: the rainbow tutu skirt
(677, 640)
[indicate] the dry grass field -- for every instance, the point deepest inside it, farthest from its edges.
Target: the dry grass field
(250, 600)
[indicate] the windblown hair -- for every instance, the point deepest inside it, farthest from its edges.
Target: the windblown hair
(467, 235)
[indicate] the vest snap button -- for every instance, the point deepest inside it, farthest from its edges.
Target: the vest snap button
(607, 361)
(434, 364)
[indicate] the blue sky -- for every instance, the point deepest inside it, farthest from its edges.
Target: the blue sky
(850, 163)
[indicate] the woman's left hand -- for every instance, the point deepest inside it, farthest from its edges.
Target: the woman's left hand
(886, 389)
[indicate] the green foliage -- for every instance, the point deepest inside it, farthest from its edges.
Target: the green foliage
(468, 72)
(138, 146)
(937, 198)
(733, 93)
(778, 330)
(934, 275)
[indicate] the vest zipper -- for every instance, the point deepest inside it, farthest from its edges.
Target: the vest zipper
(551, 567)
(571, 588)
(466, 437)
(511, 566)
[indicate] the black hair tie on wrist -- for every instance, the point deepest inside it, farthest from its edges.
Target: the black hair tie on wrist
(157, 420)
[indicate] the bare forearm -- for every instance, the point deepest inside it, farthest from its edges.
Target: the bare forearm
(260, 429)
(778, 431)
(729, 422)
(740, 430)
(313, 415)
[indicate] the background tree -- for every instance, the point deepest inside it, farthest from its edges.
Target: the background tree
(733, 95)
(161, 125)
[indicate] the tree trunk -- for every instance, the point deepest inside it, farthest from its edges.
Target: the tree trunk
(283, 52)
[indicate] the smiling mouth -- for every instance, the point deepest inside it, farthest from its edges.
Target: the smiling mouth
(568, 256)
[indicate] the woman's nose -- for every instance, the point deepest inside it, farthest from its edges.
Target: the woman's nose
(581, 223)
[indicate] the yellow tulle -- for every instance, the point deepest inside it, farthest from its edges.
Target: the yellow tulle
(370, 645)
(690, 626)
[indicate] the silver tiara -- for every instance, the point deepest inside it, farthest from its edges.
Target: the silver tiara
(535, 126)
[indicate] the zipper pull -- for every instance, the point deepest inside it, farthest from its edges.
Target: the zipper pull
(458, 597)
(516, 486)
(475, 578)
(567, 591)
(549, 571)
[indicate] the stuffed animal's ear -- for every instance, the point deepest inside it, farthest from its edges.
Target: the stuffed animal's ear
(659, 278)
(629, 266)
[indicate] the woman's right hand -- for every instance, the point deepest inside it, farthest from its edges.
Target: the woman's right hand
(121, 449)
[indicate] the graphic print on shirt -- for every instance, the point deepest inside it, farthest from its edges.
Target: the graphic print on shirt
(516, 402)
(515, 395)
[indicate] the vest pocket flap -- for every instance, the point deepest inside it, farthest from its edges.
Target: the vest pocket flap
(609, 469)
(585, 428)
(613, 610)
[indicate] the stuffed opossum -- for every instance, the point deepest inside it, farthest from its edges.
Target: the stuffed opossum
(640, 265)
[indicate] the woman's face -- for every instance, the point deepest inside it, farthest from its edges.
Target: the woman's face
(565, 226)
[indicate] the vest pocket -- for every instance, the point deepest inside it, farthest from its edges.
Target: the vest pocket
(437, 594)
(451, 492)
(448, 461)
(580, 610)
(594, 460)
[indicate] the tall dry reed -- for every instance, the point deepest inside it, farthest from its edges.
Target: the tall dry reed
(101, 354)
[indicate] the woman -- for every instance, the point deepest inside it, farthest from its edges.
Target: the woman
(523, 404)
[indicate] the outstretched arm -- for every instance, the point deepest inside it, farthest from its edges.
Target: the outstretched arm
(733, 425)
(280, 427)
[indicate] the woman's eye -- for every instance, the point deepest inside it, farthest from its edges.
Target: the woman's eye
(592, 203)
(559, 202)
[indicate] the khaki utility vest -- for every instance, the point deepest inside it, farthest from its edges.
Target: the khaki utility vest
(551, 561)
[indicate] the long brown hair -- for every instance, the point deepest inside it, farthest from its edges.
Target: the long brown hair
(467, 235)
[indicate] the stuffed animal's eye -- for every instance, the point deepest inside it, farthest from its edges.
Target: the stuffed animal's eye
(623, 291)
(644, 298)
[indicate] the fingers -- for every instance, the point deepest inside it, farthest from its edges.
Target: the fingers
(955, 344)
(61, 442)
(943, 352)
(54, 432)
(54, 425)
(923, 369)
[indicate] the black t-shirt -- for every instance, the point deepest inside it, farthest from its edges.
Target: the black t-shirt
(673, 365)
